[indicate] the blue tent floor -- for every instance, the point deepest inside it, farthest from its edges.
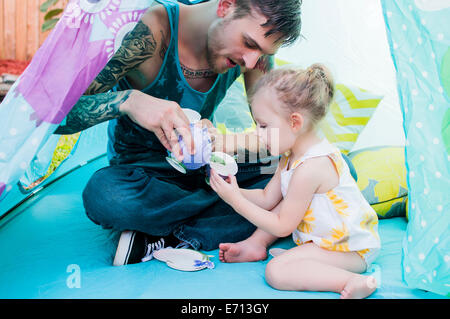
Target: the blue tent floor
(42, 240)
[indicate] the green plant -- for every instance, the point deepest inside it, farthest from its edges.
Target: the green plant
(52, 15)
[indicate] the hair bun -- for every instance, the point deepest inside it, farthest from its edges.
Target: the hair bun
(320, 72)
(310, 90)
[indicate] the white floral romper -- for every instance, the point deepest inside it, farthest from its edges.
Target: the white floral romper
(340, 219)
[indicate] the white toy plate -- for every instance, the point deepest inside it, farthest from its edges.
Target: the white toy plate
(183, 259)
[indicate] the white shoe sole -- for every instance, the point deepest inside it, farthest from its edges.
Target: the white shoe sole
(124, 247)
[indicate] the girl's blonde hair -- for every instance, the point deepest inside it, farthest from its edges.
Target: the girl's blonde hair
(309, 90)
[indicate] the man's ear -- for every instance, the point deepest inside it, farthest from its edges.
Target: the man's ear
(297, 121)
(225, 7)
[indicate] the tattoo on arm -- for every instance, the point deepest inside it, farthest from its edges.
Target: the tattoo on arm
(96, 106)
(93, 109)
(138, 46)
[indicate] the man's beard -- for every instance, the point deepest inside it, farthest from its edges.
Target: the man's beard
(213, 45)
(212, 57)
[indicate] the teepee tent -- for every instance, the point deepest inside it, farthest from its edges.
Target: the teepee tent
(391, 62)
(420, 47)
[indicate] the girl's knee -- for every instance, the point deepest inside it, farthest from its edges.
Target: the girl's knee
(281, 273)
(274, 274)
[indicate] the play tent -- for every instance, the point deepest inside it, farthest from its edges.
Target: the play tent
(391, 61)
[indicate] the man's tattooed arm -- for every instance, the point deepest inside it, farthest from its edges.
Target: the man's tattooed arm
(93, 109)
(138, 46)
(96, 106)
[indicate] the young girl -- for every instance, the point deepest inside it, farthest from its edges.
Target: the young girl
(311, 195)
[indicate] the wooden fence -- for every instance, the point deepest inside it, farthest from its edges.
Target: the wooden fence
(20, 28)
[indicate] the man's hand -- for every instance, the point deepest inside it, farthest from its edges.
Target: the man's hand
(164, 118)
(211, 128)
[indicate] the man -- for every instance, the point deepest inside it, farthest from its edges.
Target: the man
(177, 56)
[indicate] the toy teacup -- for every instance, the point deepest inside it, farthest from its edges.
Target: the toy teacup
(202, 143)
(223, 163)
(202, 154)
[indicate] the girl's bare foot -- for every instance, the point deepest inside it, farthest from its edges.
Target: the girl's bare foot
(359, 287)
(242, 251)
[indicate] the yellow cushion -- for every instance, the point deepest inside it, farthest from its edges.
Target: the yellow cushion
(382, 178)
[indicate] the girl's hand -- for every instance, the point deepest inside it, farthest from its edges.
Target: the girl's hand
(227, 190)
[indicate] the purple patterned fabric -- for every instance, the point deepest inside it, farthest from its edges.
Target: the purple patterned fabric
(69, 60)
(48, 87)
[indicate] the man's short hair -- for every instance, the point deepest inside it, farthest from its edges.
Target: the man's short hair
(283, 16)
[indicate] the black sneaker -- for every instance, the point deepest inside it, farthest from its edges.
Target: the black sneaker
(135, 247)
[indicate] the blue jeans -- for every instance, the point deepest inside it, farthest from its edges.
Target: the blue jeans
(160, 203)
(164, 202)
